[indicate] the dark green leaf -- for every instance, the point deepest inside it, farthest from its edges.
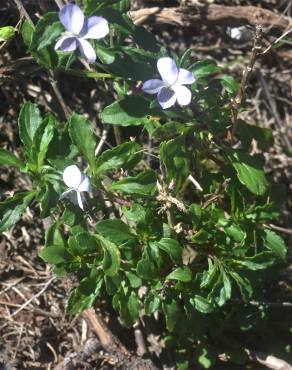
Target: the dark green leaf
(230, 84)
(276, 244)
(181, 274)
(9, 159)
(12, 208)
(203, 68)
(29, 121)
(143, 184)
(172, 248)
(82, 135)
(111, 260)
(202, 304)
(125, 156)
(250, 172)
(55, 254)
(26, 32)
(114, 230)
(175, 158)
(131, 111)
(42, 139)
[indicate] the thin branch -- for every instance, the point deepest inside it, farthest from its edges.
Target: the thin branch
(236, 103)
(34, 296)
(270, 361)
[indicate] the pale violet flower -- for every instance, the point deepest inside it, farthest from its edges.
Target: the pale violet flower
(79, 29)
(77, 182)
(170, 88)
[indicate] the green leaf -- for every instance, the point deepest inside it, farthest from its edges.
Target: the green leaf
(84, 296)
(134, 280)
(146, 269)
(125, 156)
(202, 304)
(83, 243)
(55, 254)
(42, 139)
(183, 274)
(50, 35)
(114, 230)
(172, 248)
(12, 208)
(111, 260)
(131, 111)
(243, 284)
(82, 135)
(169, 130)
(105, 55)
(44, 34)
(142, 184)
(175, 158)
(9, 159)
(230, 84)
(250, 172)
(26, 32)
(151, 303)
(133, 306)
(6, 33)
(203, 68)
(29, 121)
(276, 244)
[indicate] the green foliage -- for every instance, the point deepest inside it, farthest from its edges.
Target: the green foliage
(191, 226)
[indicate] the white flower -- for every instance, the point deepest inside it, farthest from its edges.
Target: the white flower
(170, 89)
(76, 182)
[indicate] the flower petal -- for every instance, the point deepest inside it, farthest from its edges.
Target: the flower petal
(95, 28)
(66, 43)
(166, 97)
(85, 184)
(152, 86)
(72, 18)
(185, 77)
(79, 200)
(86, 50)
(72, 176)
(183, 95)
(168, 70)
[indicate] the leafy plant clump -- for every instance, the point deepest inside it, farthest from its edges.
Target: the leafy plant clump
(187, 219)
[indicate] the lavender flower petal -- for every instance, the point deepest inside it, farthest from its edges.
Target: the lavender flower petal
(153, 86)
(95, 28)
(85, 184)
(185, 77)
(168, 70)
(72, 18)
(183, 95)
(86, 50)
(66, 43)
(166, 97)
